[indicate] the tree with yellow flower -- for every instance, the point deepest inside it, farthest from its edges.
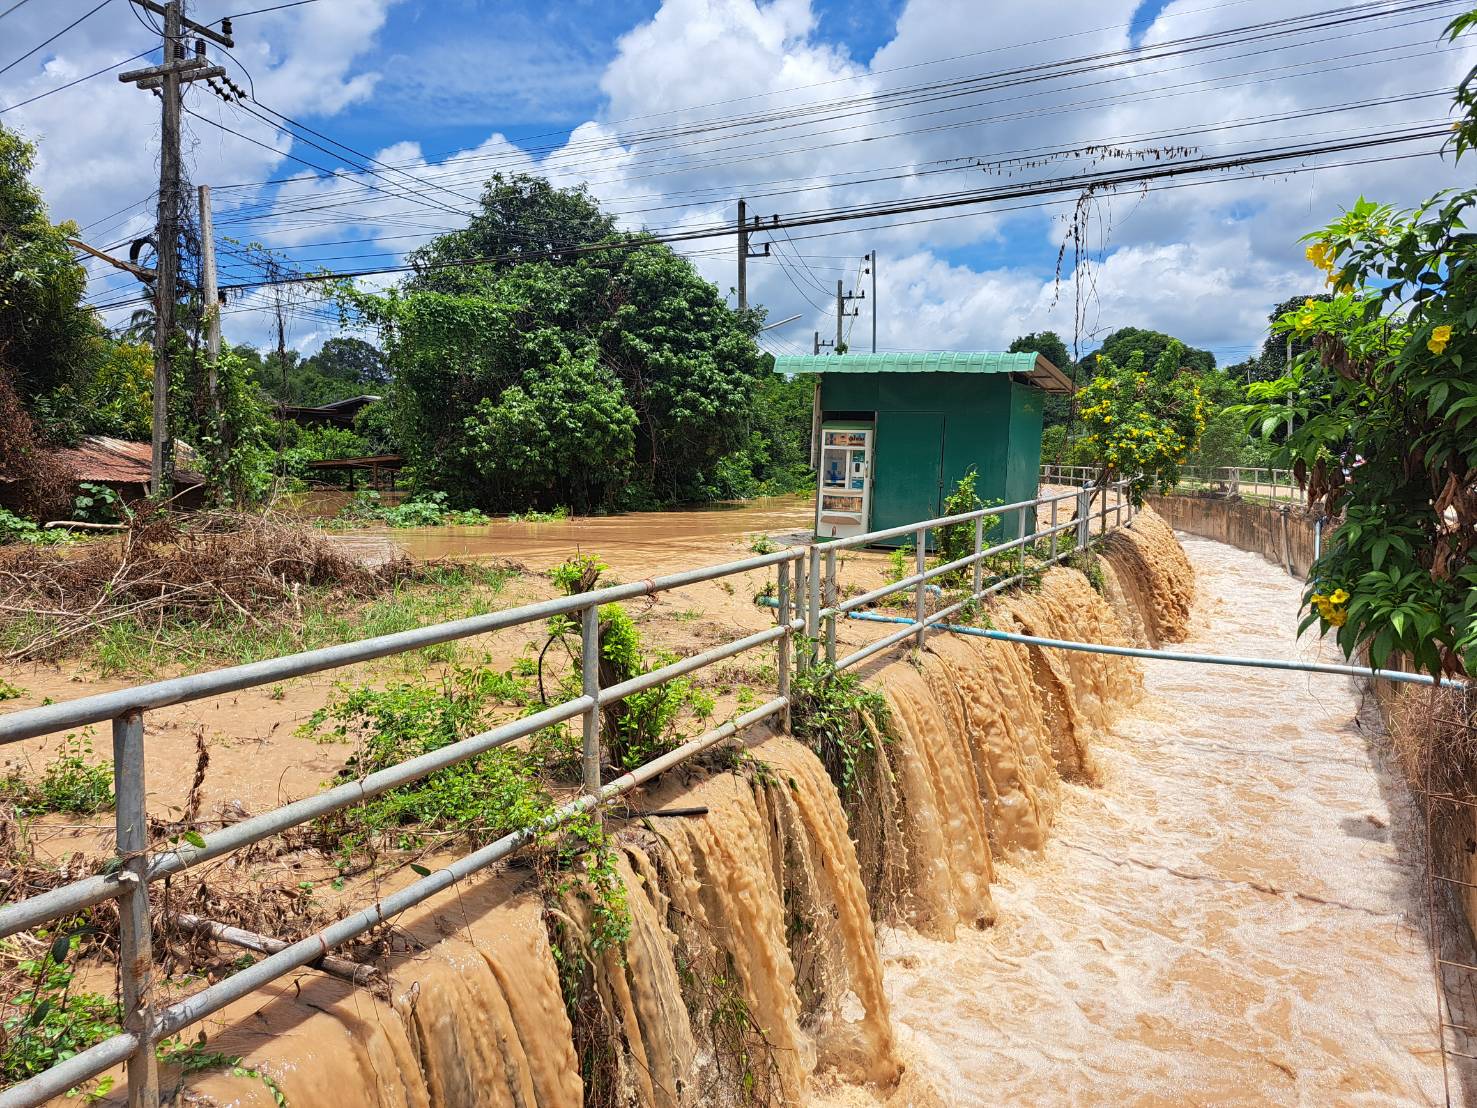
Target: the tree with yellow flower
(1380, 422)
(1142, 422)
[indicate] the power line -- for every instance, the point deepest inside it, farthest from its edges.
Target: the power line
(79, 80)
(1075, 183)
(973, 85)
(54, 37)
(274, 8)
(13, 7)
(1218, 84)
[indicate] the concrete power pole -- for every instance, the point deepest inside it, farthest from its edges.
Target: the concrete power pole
(743, 256)
(744, 253)
(169, 79)
(210, 302)
(872, 266)
(842, 313)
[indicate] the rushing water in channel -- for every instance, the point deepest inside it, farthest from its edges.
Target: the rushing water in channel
(1231, 916)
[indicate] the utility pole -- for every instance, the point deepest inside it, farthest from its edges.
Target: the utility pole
(210, 302)
(842, 313)
(819, 345)
(744, 254)
(169, 78)
(872, 268)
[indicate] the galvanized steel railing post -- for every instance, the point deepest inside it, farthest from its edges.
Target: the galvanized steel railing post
(135, 941)
(813, 608)
(979, 563)
(1020, 533)
(830, 602)
(590, 673)
(1053, 533)
(1084, 517)
(784, 643)
(920, 593)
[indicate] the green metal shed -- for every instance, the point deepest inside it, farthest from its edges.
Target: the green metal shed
(896, 432)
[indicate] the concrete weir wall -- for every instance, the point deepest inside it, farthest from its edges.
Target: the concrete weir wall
(1284, 536)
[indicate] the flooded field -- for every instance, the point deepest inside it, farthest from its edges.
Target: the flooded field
(1234, 916)
(653, 542)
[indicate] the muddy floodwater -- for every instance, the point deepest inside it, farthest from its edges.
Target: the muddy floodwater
(658, 542)
(1234, 916)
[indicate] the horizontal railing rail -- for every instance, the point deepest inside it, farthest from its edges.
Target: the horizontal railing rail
(1247, 482)
(808, 605)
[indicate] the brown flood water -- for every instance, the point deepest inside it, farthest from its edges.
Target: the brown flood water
(657, 542)
(1232, 916)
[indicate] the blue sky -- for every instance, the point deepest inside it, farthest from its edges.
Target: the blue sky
(448, 92)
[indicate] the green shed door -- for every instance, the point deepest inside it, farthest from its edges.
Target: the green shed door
(907, 476)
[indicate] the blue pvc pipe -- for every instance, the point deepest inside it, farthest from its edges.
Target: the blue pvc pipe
(1161, 655)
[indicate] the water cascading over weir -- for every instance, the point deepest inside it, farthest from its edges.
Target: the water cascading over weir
(748, 971)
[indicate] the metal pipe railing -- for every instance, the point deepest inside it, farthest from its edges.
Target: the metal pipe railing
(807, 596)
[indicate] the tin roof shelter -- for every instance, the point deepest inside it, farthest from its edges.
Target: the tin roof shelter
(897, 432)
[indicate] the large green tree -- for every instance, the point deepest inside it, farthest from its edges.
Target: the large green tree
(520, 218)
(1126, 341)
(48, 338)
(611, 378)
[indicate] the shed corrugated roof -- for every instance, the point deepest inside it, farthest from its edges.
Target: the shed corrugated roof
(100, 458)
(1033, 367)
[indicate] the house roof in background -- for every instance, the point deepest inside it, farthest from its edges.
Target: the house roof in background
(1032, 368)
(105, 459)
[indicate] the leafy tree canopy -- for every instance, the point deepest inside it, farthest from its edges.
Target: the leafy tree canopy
(612, 378)
(1379, 417)
(521, 218)
(1142, 420)
(47, 336)
(1125, 341)
(1048, 343)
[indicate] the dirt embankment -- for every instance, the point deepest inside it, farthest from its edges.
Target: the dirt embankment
(748, 945)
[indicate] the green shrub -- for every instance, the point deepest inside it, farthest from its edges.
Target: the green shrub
(47, 1022)
(71, 782)
(14, 528)
(487, 796)
(98, 504)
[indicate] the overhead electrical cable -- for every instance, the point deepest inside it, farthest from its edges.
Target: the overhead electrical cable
(1259, 78)
(1075, 183)
(53, 38)
(1049, 70)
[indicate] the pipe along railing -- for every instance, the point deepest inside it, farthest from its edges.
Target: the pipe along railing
(806, 580)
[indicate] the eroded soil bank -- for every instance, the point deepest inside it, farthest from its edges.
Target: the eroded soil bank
(1233, 916)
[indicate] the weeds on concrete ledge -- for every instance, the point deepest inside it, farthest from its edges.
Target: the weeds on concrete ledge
(830, 714)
